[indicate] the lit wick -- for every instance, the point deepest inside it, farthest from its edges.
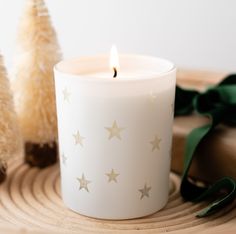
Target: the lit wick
(114, 61)
(115, 72)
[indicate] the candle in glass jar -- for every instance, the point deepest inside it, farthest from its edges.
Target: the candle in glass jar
(115, 133)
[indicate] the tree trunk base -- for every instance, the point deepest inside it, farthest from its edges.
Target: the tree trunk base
(3, 171)
(40, 155)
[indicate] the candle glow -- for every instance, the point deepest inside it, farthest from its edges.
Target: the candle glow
(114, 60)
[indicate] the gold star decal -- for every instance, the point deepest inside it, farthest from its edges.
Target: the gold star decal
(114, 131)
(78, 138)
(112, 176)
(66, 94)
(83, 183)
(155, 143)
(64, 159)
(144, 191)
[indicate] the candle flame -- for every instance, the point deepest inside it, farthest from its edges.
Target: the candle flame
(114, 60)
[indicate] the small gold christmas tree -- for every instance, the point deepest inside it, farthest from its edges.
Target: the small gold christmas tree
(10, 139)
(38, 52)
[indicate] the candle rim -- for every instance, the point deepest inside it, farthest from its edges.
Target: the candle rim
(81, 76)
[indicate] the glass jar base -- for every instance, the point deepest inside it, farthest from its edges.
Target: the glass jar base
(105, 215)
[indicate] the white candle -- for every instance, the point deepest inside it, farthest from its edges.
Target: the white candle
(115, 134)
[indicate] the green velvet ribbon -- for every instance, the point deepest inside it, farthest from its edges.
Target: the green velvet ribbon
(218, 103)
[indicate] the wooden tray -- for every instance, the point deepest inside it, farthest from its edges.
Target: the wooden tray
(30, 202)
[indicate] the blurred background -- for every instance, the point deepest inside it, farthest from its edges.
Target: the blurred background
(199, 34)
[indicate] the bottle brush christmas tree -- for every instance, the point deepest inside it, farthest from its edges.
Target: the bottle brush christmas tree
(10, 139)
(37, 52)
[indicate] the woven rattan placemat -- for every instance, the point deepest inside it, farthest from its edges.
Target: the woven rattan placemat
(30, 202)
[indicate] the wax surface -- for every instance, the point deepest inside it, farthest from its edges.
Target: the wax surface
(121, 75)
(131, 67)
